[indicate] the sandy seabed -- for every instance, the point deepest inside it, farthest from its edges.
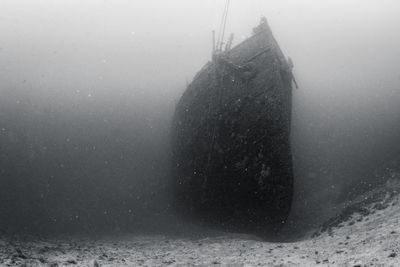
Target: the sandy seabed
(363, 240)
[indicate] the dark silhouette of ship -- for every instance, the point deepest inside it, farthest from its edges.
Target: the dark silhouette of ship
(232, 162)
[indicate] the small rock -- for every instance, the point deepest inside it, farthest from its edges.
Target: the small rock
(71, 261)
(168, 262)
(392, 255)
(20, 254)
(95, 264)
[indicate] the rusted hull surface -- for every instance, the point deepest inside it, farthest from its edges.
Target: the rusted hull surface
(232, 160)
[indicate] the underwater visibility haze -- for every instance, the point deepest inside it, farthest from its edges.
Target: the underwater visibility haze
(88, 95)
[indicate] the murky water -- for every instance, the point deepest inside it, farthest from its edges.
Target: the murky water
(88, 90)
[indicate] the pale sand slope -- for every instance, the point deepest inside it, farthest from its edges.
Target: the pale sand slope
(371, 240)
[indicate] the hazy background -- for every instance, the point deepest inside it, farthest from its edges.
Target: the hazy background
(88, 89)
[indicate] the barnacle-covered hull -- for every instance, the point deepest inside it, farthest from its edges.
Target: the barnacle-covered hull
(232, 163)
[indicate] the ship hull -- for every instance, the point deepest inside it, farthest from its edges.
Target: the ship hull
(232, 162)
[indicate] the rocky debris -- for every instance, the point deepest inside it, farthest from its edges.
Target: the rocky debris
(20, 254)
(72, 262)
(377, 198)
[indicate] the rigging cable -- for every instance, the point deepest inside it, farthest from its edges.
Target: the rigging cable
(220, 27)
(225, 19)
(218, 80)
(221, 31)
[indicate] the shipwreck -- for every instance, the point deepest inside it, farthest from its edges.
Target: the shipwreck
(231, 154)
